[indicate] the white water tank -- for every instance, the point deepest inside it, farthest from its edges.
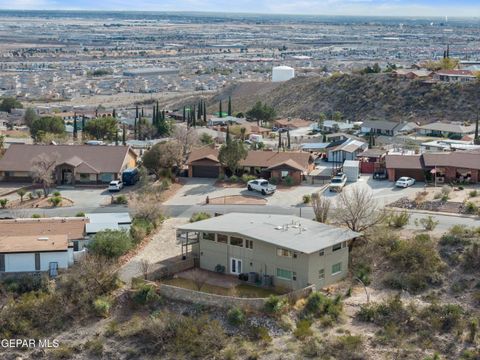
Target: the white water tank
(282, 73)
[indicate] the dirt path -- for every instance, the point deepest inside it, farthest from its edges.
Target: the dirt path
(162, 246)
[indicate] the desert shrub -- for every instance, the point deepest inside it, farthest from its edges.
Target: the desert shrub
(120, 200)
(288, 180)
(470, 208)
(312, 348)
(199, 216)
(362, 271)
(80, 214)
(470, 355)
(36, 216)
(22, 284)
(61, 352)
(442, 318)
(186, 337)
(145, 294)
(56, 193)
(348, 347)
(236, 316)
(307, 199)
(457, 235)
(94, 346)
(110, 243)
(416, 264)
(428, 223)
(445, 191)
(21, 193)
(31, 196)
(55, 201)
(319, 305)
(144, 224)
(3, 203)
(398, 219)
(473, 193)
(39, 193)
(471, 258)
(303, 329)
(233, 179)
(273, 181)
(260, 333)
(102, 306)
(276, 305)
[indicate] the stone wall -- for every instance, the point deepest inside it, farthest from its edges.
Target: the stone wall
(226, 302)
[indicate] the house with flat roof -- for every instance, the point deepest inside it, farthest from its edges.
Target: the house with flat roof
(384, 127)
(39, 245)
(204, 162)
(289, 251)
(454, 130)
(454, 75)
(74, 164)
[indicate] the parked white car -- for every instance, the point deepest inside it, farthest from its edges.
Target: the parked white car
(338, 182)
(405, 182)
(261, 185)
(115, 185)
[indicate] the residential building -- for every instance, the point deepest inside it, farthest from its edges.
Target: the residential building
(38, 245)
(413, 73)
(336, 126)
(74, 164)
(405, 165)
(288, 251)
(203, 162)
(454, 75)
(454, 130)
(346, 150)
(383, 127)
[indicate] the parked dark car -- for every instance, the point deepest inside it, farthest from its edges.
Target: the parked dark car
(380, 175)
(130, 176)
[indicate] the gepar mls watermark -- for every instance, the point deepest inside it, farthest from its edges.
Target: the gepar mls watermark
(29, 343)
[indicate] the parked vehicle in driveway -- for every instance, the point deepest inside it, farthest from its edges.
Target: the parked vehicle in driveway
(405, 182)
(115, 185)
(380, 175)
(130, 176)
(338, 182)
(261, 185)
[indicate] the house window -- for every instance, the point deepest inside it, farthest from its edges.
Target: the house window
(284, 274)
(337, 247)
(294, 276)
(321, 252)
(284, 252)
(84, 177)
(284, 173)
(236, 241)
(336, 268)
(321, 274)
(208, 236)
(249, 244)
(221, 238)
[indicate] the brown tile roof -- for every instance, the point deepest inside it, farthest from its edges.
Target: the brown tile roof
(73, 228)
(16, 244)
(404, 162)
(459, 159)
(263, 159)
(104, 159)
(288, 163)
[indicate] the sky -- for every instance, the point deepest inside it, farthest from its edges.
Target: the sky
(451, 8)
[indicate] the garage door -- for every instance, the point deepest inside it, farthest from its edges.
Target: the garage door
(417, 174)
(205, 171)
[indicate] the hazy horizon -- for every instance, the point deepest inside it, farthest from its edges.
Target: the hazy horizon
(383, 8)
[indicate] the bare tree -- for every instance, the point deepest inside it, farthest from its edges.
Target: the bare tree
(187, 137)
(145, 267)
(43, 170)
(145, 206)
(321, 207)
(357, 209)
(199, 278)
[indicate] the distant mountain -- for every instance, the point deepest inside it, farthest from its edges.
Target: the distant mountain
(360, 97)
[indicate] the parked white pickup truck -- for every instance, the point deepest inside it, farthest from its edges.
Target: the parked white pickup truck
(338, 182)
(262, 186)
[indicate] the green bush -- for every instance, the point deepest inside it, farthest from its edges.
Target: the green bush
(121, 200)
(307, 199)
(3, 203)
(319, 305)
(36, 216)
(146, 294)
(457, 235)
(55, 201)
(80, 214)
(303, 329)
(94, 347)
(398, 220)
(276, 305)
(110, 243)
(102, 306)
(199, 216)
(428, 223)
(165, 184)
(470, 208)
(39, 193)
(473, 193)
(31, 196)
(288, 180)
(233, 179)
(260, 333)
(273, 181)
(21, 193)
(246, 178)
(56, 193)
(236, 316)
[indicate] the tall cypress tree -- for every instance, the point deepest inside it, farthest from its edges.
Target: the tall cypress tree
(476, 140)
(279, 140)
(220, 112)
(227, 135)
(75, 126)
(194, 117)
(154, 117)
(83, 127)
(142, 114)
(199, 110)
(288, 138)
(124, 135)
(135, 129)
(114, 113)
(184, 116)
(163, 115)
(136, 111)
(116, 137)
(205, 113)
(229, 106)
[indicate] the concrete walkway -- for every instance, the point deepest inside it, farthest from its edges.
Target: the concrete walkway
(162, 246)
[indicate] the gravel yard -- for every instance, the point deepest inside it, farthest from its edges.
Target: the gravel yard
(163, 245)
